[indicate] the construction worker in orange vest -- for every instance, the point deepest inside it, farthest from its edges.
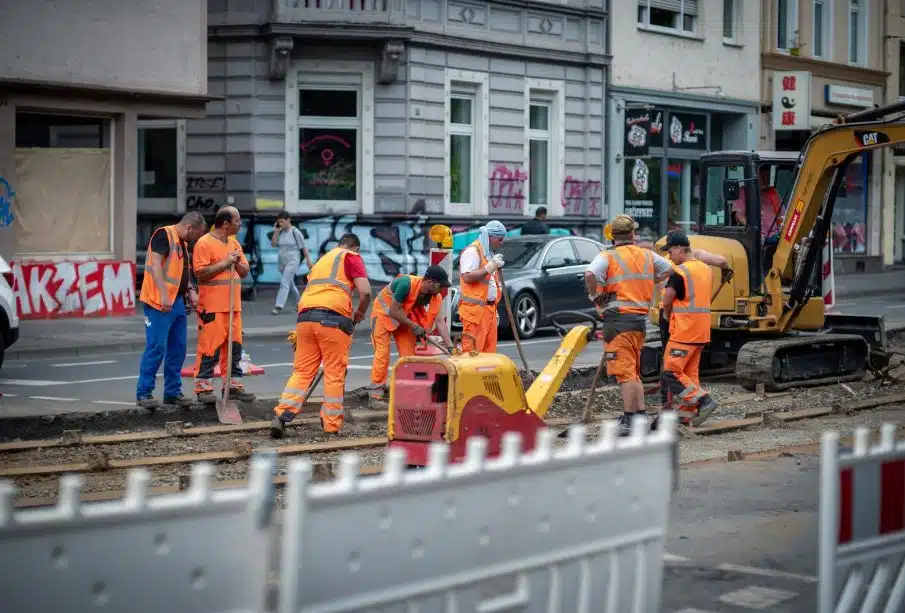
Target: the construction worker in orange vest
(214, 256)
(711, 259)
(405, 310)
(627, 275)
(323, 333)
(481, 289)
(686, 304)
(168, 295)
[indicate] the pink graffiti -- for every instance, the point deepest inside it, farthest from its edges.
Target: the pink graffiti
(575, 193)
(327, 156)
(507, 189)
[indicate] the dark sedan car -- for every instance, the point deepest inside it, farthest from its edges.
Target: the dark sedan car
(544, 274)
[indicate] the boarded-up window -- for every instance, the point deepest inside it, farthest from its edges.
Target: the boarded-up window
(62, 201)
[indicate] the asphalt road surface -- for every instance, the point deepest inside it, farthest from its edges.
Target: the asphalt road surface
(743, 537)
(107, 381)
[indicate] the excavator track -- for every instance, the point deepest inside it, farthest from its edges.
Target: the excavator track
(805, 360)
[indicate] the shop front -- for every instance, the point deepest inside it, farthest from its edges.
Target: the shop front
(657, 168)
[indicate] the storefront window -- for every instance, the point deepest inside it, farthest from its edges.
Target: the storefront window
(642, 195)
(850, 213)
(683, 197)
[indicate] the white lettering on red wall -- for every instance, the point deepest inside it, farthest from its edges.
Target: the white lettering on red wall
(47, 290)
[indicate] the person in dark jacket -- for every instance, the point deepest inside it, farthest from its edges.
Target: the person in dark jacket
(537, 225)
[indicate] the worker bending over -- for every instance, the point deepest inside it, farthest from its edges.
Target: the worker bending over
(323, 333)
(686, 304)
(405, 310)
(481, 289)
(627, 274)
(216, 256)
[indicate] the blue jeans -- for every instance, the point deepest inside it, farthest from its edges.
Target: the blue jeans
(165, 341)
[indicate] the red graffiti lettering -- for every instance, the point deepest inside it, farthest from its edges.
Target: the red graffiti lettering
(581, 197)
(74, 289)
(507, 189)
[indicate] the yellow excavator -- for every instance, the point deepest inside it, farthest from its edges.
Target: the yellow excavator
(769, 320)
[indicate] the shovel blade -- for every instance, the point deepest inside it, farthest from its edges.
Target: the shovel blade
(228, 412)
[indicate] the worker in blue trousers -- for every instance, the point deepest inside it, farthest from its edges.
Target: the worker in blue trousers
(165, 289)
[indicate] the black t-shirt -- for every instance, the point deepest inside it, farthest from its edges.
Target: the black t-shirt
(161, 244)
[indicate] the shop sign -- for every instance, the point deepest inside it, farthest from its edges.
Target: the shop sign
(849, 96)
(637, 132)
(686, 131)
(791, 101)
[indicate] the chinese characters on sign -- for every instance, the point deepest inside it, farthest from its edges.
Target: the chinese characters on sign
(791, 101)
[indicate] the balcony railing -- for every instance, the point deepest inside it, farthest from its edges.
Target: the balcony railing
(350, 11)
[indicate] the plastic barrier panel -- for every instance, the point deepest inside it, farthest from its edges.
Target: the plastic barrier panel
(522, 532)
(199, 551)
(862, 523)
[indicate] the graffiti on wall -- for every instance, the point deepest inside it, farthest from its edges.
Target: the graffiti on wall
(507, 190)
(7, 194)
(204, 192)
(48, 290)
(582, 198)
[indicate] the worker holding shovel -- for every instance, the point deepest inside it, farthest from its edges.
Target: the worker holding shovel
(405, 310)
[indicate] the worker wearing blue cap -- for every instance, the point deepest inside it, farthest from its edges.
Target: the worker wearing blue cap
(481, 289)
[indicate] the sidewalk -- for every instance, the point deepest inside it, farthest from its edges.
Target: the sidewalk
(91, 336)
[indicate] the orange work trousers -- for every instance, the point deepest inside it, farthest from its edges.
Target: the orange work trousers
(380, 338)
(213, 332)
(681, 376)
(624, 356)
(484, 332)
(316, 344)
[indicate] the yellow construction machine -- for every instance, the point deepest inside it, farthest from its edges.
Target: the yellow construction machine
(452, 398)
(769, 320)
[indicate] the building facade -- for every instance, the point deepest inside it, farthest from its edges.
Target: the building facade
(682, 84)
(821, 59)
(383, 117)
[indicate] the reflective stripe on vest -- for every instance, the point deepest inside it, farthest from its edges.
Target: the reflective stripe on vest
(646, 274)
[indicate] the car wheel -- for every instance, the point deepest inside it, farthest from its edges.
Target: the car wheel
(527, 314)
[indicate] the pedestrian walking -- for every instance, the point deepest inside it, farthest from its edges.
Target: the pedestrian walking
(165, 288)
(292, 249)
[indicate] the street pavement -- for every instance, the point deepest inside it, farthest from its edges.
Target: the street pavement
(743, 537)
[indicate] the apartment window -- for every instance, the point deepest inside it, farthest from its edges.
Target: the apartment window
(539, 148)
(676, 15)
(786, 24)
(329, 126)
(823, 31)
(857, 32)
(729, 19)
(461, 149)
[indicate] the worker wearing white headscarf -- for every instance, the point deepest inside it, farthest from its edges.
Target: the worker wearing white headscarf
(481, 289)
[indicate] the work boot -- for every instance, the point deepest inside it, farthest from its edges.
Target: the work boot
(706, 406)
(178, 401)
(147, 402)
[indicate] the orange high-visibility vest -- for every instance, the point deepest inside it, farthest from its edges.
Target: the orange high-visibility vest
(173, 267)
(424, 317)
(630, 276)
(690, 321)
(213, 293)
(474, 295)
(328, 286)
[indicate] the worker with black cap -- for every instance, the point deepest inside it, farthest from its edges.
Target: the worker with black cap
(405, 310)
(686, 306)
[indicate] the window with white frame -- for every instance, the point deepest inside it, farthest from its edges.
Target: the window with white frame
(676, 15)
(161, 165)
(461, 148)
(329, 126)
(823, 30)
(730, 18)
(786, 24)
(857, 32)
(540, 147)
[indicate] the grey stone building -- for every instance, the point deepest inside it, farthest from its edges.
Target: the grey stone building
(354, 113)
